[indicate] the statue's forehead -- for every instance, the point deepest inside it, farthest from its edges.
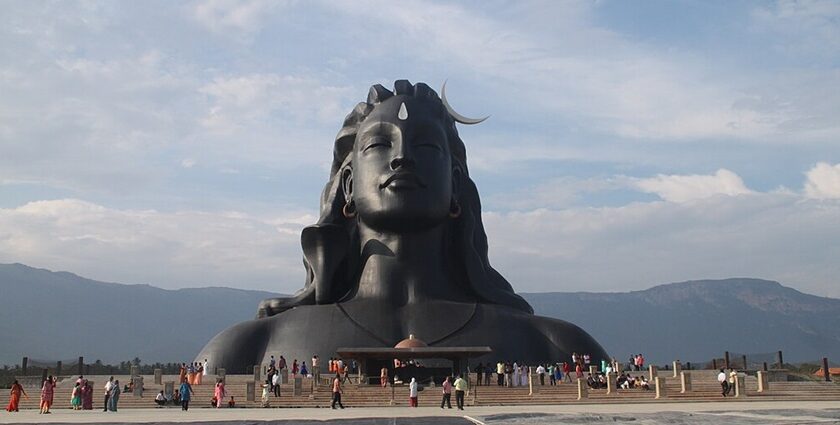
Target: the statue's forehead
(404, 108)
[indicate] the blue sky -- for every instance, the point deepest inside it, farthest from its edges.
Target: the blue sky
(630, 143)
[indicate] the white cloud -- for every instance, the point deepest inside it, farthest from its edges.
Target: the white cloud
(685, 188)
(238, 16)
(178, 249)
(768, 235)
(823, 181)
(188, 163)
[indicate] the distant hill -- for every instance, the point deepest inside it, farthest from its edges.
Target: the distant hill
(60, 316)
(699, 320)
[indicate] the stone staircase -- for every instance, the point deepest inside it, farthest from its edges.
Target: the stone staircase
(704, 388)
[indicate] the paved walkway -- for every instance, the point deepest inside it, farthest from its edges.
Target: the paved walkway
(647, 413)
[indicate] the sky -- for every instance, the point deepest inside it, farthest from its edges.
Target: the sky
(629, 144)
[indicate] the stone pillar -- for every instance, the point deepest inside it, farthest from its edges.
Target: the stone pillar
(652, 373)
(677, 368)
(826, 370)
(726, 360)
(158, 376)
(257, 377)
(714, 364)
(530, 381)
(688, 366)
(740, 390)
(250, 390)
(24, 364)
(764, 367)
(298, 387)
(135, 371)
(44, 374)
(617, 367)
(138, 386)
(583, 390)
(169, 389)
(284, 376)
(780, 361)
(593, 370)
(57, 368)
(661, 392)
(685, 382)
(81, 365)
(744, 361)
(220, 373)
(763, 383)
(611, 377)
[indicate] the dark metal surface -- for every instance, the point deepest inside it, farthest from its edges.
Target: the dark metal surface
(399, 249)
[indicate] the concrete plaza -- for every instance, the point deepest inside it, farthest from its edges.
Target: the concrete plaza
(730, 412)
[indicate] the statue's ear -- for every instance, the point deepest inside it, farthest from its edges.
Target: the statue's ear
(347, 182)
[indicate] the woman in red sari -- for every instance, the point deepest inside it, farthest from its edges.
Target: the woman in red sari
(14, 397)
(47, 392)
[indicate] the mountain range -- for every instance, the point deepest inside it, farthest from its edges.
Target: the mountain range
(49, 315)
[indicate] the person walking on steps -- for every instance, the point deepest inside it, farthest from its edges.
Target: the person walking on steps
(336, 392)
(460, 389)
(447, 394)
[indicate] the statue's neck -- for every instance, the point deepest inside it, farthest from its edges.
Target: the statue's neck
(405, 268)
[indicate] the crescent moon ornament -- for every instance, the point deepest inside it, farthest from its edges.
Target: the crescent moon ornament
(456, 116)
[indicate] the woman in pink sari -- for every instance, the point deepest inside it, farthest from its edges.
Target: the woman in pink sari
(47, 393)
(219, 393)
(87, 396)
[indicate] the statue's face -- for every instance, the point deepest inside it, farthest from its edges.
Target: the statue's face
(401, 176)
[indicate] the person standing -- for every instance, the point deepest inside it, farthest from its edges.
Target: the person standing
(724, 386)
(383, 376)
(294, 368)
(479, 371)
(14, 397)
(114, 398)
(204, 368)
(108, 386)
(47, 394)
(541, 373)
(567, 369)
(76, 397)
(199, 373)
(87, 396)
(447, 394)
(186, 391)
(460, 389)
(182, 373)
(316, 369)
(732, 381)
(219, 393)
(336, 391)
(412, 393)
(275, 384)
(303, 371)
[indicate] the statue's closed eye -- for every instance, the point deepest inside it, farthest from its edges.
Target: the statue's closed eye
(429, 145)
(377, 142)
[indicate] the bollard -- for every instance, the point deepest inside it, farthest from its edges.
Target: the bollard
(826, 370)
(714, 364)
(685, 382)
(24, 364)
(257, 373)
(661, 392)
(763, 383)
(298, 388)
(652, 373)
(740, 390)
(726, 364)
(284, 376)
(744, 360)
(57, 368)
(583, 390)
(250, 390)
(158, 376)
(138, 386)
(611, 378)
(81, 365)
(677, 368)
(780, 361)
(688, 366)
(169, 389)
(764, 367)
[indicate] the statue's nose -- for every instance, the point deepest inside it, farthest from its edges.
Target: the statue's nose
(402, 162)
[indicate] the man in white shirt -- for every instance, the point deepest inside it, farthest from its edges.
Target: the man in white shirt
(316, 369)
(724, 386)
(275, 383)
(541, 373)
(160, 399)
(108, 386)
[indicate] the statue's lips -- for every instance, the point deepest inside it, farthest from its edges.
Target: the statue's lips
(403, 181)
